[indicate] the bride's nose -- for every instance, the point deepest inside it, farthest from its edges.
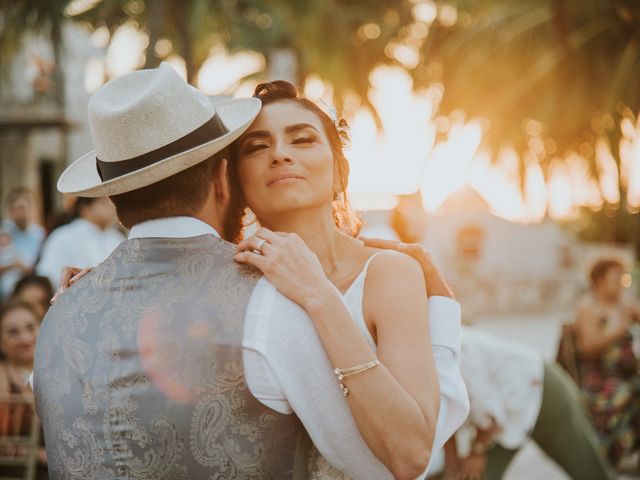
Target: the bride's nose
(280, 156)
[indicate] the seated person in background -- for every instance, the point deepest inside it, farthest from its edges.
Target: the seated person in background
(36, 291)
(11, 266)
(25, 235)
(515, 396)
(607, 362)
(84, 242)
(19, 325)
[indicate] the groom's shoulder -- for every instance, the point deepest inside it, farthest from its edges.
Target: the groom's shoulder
(222, 255)
(276, 314)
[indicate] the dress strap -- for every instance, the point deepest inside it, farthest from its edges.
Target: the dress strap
(368, 262)
(358, 283)
(354, 297)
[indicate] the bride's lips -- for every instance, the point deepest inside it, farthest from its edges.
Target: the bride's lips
(284, 178)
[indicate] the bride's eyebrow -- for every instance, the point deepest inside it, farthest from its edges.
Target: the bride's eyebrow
(299, 126)
(256, 133)
(267, 134)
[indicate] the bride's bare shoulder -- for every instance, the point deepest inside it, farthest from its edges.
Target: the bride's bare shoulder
(391, 266)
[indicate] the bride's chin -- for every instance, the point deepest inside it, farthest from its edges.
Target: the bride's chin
(282, 203)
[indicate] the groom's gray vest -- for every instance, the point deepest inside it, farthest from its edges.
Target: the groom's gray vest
(139, 373)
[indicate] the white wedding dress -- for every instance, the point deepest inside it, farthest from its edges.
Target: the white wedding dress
(318, 467)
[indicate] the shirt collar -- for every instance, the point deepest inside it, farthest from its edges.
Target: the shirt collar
(172, 227)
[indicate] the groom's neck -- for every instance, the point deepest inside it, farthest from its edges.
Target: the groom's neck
(211, 214)
(210, 220)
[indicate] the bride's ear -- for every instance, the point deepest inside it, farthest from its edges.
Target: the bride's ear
(221, 183)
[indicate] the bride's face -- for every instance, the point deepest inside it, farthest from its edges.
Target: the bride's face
(285, 161)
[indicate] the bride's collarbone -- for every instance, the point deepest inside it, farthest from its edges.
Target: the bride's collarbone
(350, 269)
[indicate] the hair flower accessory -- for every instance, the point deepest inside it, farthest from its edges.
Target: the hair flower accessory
(342, 127)
(344, 132)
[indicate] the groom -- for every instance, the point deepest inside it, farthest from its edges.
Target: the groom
(169, 360)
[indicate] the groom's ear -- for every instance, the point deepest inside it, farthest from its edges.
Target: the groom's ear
(221, 183)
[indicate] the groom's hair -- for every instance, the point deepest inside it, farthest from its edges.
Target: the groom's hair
(181, 194)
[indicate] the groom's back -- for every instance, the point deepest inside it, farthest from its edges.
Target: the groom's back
(139, 371)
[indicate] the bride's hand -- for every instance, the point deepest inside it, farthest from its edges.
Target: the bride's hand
(287, 263)
(433, 278)
(68, 277)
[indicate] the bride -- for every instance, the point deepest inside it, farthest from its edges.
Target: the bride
(365, 304)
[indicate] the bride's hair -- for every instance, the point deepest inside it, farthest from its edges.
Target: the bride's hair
(345, 218)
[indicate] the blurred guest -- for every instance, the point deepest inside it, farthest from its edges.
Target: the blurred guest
(63, 216)
(608, 365)
(409, 219)
(26, 237)
(515, 396)
(84, 242)
(19, 325)
(11, 267)
(35, 290)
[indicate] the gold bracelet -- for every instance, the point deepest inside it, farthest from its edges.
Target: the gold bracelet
(345, 372)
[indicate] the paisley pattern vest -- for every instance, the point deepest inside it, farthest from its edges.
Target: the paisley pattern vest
(139, 373)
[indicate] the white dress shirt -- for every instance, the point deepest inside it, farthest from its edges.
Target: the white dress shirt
(505, 381)
(288, 370)
(79, 244)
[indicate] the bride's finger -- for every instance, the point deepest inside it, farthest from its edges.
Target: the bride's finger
(252, 258)
(81, 274)
(55, 297)
(381, 243)
(253, 243)
(267, 235)
(65, 276)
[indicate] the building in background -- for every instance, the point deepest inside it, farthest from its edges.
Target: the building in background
(497, 267)
(43, 105)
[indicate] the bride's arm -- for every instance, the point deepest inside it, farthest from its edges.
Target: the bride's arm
(395, 405)
(394, 301)
(444, 324)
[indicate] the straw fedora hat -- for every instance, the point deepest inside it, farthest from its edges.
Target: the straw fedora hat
(149, 125)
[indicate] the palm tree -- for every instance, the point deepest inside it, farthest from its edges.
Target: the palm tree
(321, 34)
(572, 66)
(20, 17)
(191, 26)
(325, 37)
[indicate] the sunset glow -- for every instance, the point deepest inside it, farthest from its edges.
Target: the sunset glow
(630, 154)
(222, 72)
(404, 156)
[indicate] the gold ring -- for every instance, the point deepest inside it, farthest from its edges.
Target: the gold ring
(260, 246)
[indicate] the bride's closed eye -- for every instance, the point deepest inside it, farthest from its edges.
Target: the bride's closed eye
(253, 146)
(304, 139)
(256, 145)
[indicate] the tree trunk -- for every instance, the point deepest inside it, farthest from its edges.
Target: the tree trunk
(561, 23)
(57, 42)
(156, 15)
(282, 64)
(183, 27)
(58, 76)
